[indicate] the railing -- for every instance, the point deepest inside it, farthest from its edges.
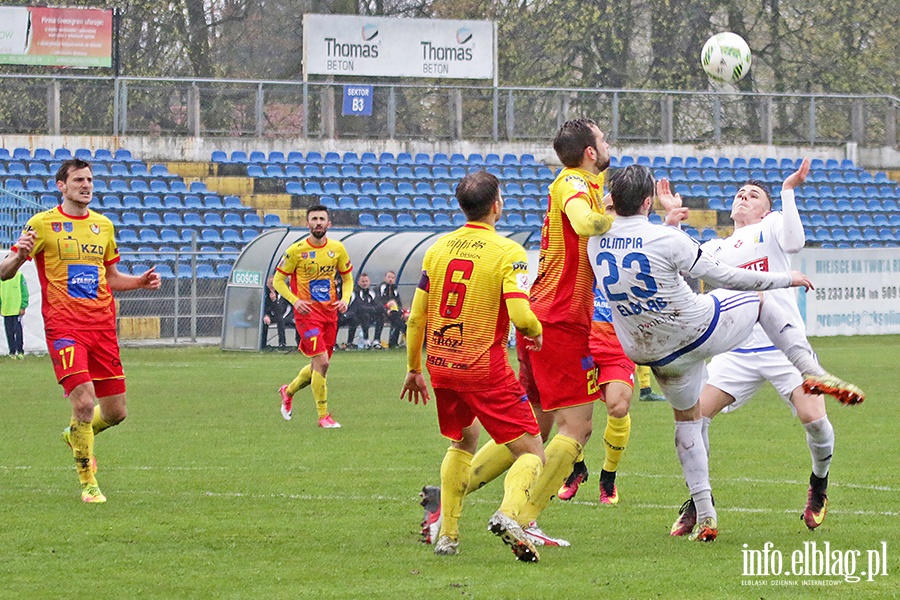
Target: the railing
(56, 105)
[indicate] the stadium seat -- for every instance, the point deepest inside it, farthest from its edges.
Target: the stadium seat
(272, 220)
(403, 203)
(405, 220)
(149, 236)
(251, 219)
(442, 221)
(385, 220)
(231, 236)
(513, 220)
(152, 219)
(424, 220)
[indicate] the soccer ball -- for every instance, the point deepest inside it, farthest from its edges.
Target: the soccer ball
(726, 57)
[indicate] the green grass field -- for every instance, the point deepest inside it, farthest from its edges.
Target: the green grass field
(213, 495)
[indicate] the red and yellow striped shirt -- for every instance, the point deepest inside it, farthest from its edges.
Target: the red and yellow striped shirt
(563, 289)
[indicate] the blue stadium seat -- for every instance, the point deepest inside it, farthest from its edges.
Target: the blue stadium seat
(231, 236)
(329, 202)
(365, 203)
(421, 203)
(251, 219)
(403, 203)
(219, 156)
(272, 220)
(346, 203)
(149, 236)
(368, 158)
(458, 159)
(405, 220)
(367, 220)
(351, 158)
(442, 221)
(515, 220)
(152, 219)
(424, 220)
(386, 220)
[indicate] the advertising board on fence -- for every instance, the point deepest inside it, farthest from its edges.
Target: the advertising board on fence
(856, 291)
(391, 47)
(69, 37)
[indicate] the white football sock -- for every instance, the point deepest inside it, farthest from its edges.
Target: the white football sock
(820, 439)
(695, 465)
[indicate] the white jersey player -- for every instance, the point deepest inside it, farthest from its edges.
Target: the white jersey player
(763, 241)
(661, 322)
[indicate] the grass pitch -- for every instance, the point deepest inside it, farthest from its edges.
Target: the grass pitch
(213, 495)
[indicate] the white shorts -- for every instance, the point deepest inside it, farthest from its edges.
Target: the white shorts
(741, 374)
(682, 374)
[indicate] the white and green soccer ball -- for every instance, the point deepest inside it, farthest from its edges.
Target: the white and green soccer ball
(726, 57)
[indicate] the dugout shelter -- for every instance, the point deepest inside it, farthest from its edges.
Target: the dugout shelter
(373, 252)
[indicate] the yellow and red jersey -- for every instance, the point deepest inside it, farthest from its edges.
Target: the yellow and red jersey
(468, 275)
(71, 254)
(563, 289)
(312, 270)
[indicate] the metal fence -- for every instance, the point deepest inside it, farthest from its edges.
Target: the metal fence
(57, 105)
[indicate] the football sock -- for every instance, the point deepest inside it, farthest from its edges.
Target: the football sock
(561, 453)
(615, 438)
(695, 465)
(81, 435)
(643, 376)
(98, 424)
(705, 433)
(301, 381)
(820, 439)
(455, 473)
(790, 338)
(320, 393)
(519, 482)
(489, 463)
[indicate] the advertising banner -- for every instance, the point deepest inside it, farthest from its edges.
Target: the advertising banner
(63, 37)
(391, 47)
(856, 291)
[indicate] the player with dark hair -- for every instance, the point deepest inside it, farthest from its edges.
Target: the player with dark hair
(76, 255)
(662, 323)
(763, 240)
(473, 284)
(311, 264)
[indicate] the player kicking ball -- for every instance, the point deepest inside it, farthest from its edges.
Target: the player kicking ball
(662, 323)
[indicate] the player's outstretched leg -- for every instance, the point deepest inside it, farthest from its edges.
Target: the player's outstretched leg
(790, 338)
(816, 501)
(513, 536)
